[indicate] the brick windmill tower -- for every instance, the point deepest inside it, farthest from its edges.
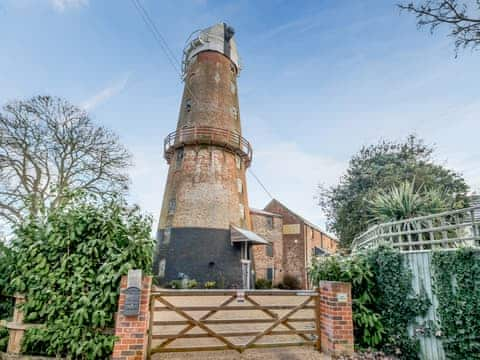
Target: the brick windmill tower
(203, 232)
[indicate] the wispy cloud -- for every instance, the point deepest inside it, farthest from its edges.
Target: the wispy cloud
(106, 93)
(62, 5)
(292, 175)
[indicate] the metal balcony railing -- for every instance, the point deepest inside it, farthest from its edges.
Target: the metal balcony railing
(208, 136)
(450, 229)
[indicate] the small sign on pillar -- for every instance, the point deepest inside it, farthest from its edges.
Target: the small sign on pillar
(133, 293)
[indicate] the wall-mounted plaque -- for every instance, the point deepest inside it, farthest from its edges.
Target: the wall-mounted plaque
(342, 297)
(133, 293)
(291, 229)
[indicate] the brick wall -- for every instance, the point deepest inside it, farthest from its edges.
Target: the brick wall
(261, 226)
(132, 331)
(315, 238)
(293, 244)
(205, 185)
(336, 318)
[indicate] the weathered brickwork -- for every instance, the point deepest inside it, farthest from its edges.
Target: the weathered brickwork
(205, 190)
(336, 318)
(293, 246)
(299, 241)
(132, 331)
(212, 78)
(268, 226)
(206, 185)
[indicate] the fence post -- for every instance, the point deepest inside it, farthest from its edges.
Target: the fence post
(132, 330)
(318, 322)
(16, 328)
(336, 337)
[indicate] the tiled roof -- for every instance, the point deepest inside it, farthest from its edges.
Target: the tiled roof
(263, 212)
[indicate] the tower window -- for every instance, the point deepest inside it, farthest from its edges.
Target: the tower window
(172, 205)
(234, 112)
(179, 158)
(239, 185)
(188, 105)
(242, 211)
(166, 236)
(238, 161)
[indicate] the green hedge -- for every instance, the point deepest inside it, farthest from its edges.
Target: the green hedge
(383, 300)
(69, 266)
(6, 301)
(3, 339)
(456, 276)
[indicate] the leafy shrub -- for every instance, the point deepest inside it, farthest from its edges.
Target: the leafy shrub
(192, 284)
(383, 300)
(263, 284)
(69, 264)
(458, 294)
(6, 268)
(3, 339)
(182, 284)
(290, 282)
(175, 284)
(210, 285)
(367, 325)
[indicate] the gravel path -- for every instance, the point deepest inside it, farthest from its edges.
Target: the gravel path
(290, 353)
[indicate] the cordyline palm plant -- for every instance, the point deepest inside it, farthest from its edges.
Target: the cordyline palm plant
(407, 201)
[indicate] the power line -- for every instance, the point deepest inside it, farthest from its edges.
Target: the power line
(175, 62)
(261, 184)
(162, 42)
(160, 39)
(157, 36)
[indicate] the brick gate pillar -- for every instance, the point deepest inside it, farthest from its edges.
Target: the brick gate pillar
(132, 331)
(336, 324)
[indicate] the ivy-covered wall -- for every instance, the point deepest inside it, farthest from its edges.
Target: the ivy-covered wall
(384, 303)
(456, 283)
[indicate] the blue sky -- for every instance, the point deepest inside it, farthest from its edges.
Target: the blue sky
(319, 80)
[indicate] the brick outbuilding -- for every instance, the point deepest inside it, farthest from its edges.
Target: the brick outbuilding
(294, 242)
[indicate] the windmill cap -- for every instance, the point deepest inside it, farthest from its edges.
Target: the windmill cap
(219, 38)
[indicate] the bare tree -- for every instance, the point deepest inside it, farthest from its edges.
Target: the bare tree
(49, 148)
(462, 17)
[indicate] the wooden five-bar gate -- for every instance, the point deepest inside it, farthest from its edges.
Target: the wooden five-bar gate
(194, 320)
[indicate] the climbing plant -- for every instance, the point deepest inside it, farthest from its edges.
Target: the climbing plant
(456, 276)
(6, 263)
(396, 302)
(69, 264)
(383, 301)
(6, 301)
